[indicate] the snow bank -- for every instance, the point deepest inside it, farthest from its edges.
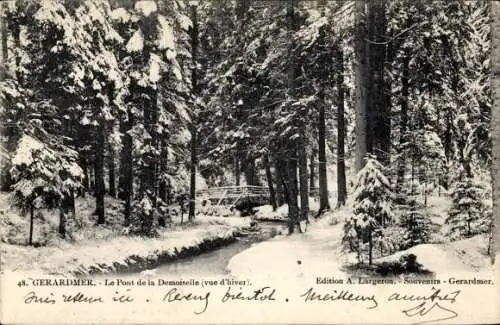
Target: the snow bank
(467, 255)
(266, 213)
(103, 248)
(123, 253)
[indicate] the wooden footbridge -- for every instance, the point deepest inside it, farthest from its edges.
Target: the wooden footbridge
(236, 195)
(239, 195)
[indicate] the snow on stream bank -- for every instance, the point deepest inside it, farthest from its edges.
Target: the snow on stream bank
(104, 256)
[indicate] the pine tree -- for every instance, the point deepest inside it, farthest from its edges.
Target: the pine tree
(467, 214)
(372, 205)
(416, 223)
(44, 176)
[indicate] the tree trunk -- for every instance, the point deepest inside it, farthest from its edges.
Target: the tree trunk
(126, 179)
(291, 185)
(85, 169)
(272, 194)
(92, 179)
(236, 170)
(379, 110)
(100, 188)
(250, 173)
(303, 176)
(341, 176)
(412, 186)
(9, 131)
(111, 173)
(324, 203)
(370, 247)
(32, 217)
(312, 172)
(403, 126)
(62, 221)
(4, 35)
(361, 83)
(280, 175)
(194, 83)
(162, 186)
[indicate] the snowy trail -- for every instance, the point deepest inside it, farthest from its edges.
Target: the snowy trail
(318, 251)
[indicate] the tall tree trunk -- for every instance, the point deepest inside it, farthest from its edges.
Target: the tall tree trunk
(403, 126)
(386, 119)
(111, 173)
(361, 85)
(303, 177)
(111, 153)
(100, 188)
(126, 179)
(162, 186)
(32, 218)
(370, 247)
(272, 194)
(312, 172)
(236, 170)
(86, 181)
(280, 175)
(381, 123)
(4, 36)
(194, 83)
(324, 203)
(291, 185)
(62, 217)
(72, 205)
(250, 172)
(341, 176)
(10, 130)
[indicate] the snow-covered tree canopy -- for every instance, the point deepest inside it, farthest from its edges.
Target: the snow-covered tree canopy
(40, 171)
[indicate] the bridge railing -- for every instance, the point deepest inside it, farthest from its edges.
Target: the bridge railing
(233, 191)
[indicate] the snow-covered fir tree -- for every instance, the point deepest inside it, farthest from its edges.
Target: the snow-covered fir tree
(415, 223)
(372, 209)
(44, 176)
(468, 215)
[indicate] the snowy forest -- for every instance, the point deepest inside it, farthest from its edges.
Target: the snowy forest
(367, 119)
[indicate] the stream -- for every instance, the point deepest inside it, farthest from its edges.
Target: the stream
(214, 263)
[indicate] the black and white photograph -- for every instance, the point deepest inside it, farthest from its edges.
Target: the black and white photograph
(322, 142)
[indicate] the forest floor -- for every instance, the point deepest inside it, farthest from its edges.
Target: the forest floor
(319, 250)
(103, 248)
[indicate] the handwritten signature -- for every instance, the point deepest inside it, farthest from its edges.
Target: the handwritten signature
(429, 306)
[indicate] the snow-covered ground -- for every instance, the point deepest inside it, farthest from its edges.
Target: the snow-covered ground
(468, 255)
(319, 251)
(266, 212)
(67, 257)
(88, 245)
(313, 252)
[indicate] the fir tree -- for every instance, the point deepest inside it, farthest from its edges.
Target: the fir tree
(467, 215)
(44, 176)
(416, 224)
(372, 205)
